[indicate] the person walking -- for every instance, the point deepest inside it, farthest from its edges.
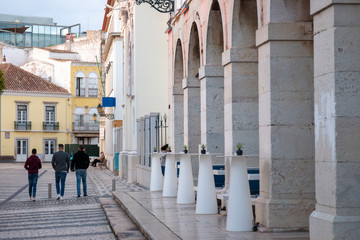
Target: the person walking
(61, 163)
(33, 164)
(81, 162)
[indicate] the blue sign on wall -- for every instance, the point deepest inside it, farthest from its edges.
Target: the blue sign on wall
(108, 102)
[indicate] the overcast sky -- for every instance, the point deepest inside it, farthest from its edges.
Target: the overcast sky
(89, 13)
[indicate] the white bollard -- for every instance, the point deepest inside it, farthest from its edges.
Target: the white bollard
(170, 179)
(156, 180)
(186, 194)
(206, 196)
(240, 215)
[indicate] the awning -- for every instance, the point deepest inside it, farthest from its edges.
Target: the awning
(14, 30)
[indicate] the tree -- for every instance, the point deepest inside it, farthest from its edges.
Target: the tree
(2, 81)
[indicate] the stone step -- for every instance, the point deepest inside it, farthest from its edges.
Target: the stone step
(151, 226)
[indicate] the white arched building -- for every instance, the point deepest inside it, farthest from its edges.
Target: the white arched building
(282, 78)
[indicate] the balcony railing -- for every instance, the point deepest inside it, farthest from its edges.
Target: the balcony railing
(85, 126)
(22, 125)
(50, 126)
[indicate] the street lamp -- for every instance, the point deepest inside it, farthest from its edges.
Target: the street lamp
(100, 109)
(94, 117)
(163, 6)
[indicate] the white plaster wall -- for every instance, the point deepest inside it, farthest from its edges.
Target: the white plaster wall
(151, 61)
(87, 47)
(14, 55)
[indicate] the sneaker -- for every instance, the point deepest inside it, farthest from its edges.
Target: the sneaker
(85, 195)
(78, 196)
(62, 198)
(30, 198)
(33, 199)
(58, 197)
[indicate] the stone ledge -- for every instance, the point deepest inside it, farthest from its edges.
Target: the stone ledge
(300, 31)
(150, 226)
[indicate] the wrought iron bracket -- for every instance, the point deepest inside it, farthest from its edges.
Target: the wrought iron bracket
(163, 6)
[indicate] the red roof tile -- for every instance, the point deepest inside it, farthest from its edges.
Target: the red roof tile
(19, 80)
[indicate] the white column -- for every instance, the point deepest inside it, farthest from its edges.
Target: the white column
(206, 196)
(240, 214)
(170, 178)
(156, 181)
(186, 194)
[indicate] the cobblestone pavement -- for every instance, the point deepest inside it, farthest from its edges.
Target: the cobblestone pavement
(72, 218)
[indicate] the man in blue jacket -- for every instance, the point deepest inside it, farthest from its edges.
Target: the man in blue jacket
(80, 162)
(61, 163)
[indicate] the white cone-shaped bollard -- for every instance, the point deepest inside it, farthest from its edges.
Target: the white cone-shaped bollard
(156, 180)
(170, 179)
(206, 196)
(240, 215)
(186, 194)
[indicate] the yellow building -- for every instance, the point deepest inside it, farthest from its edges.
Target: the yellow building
(35, 113)
(85, 89)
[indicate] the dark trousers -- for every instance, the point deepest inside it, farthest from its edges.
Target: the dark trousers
(33, 178)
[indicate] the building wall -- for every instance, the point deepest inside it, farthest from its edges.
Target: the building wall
(36, 114)
(150, 60)
(14, 55)
(84, 102)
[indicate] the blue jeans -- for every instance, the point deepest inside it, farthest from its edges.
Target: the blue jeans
(163, 170)
(60, 177)
(81, 175)
(33, 178)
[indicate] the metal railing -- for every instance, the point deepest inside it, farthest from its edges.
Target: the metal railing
(22, 125)
(85, 126)
(50, 126)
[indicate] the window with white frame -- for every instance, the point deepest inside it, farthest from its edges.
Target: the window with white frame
(22, 112)
(49, 114)
(93, 83)
(86, 86)
(79, 116)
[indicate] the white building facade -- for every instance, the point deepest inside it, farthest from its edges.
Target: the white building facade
(136, 68)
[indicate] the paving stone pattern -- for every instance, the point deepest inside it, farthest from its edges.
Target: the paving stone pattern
(72, 218)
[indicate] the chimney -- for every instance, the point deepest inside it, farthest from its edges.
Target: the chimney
(4, 59)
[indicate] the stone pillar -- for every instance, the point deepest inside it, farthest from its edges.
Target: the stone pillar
(241, 100)
(192, 129)
(177, 110)
(337, 120)
(286, 131)
(212, 107)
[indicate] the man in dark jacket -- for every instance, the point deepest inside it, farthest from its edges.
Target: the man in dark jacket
(80, 162)
(32, 164)
(61, 163)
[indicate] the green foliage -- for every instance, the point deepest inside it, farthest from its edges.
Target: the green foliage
(169, 148)
(185, 147)
(203, 146)
(239, 146)
(155, 149)
(2, 81)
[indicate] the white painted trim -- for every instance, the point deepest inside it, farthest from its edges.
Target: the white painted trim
(31, 94)
(29, 131)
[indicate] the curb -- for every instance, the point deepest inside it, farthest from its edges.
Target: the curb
(149, 225)
(121, 225)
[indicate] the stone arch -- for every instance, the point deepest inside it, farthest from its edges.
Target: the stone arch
(177, 110)
(215, 35)
(241, 80)
(212, 83)
(191, 87)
